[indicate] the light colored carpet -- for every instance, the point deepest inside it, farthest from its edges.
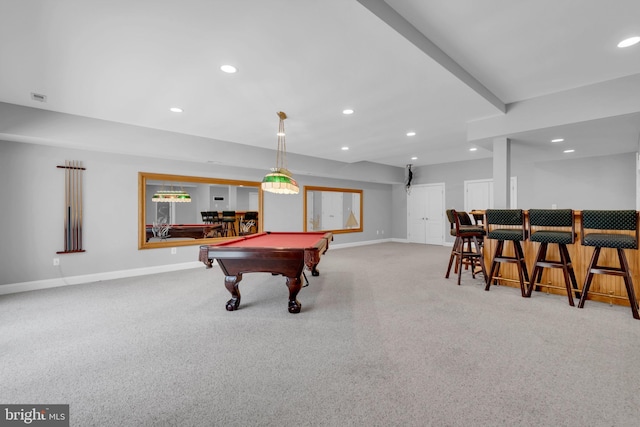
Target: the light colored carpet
(382, 340)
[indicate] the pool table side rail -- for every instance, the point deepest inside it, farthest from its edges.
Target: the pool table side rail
(223, 251)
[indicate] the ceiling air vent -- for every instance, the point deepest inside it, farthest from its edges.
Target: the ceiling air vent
(38, 97)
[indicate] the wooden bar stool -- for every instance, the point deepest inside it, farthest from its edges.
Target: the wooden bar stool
(454, 250)
(610, 220)
(468, 236)
(510, 218)
(553, 218)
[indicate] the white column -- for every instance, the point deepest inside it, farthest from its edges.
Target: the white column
(501, 172)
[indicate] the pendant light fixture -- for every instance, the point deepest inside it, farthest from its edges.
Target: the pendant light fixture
(280, 181)
(171, 196)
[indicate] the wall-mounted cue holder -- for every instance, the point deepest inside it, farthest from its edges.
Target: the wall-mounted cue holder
(72, 206)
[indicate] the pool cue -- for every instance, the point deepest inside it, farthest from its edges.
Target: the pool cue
(79, 206)
(75, 205)
(66, 205)
(71, 195)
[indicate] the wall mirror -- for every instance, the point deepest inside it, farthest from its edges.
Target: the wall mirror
(332, 209)
(218, 209)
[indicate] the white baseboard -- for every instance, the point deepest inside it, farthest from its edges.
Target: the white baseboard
(354, 244)
(97, 277)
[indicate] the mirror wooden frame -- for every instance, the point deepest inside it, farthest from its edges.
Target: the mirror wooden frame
(350, 191)
(145, 177)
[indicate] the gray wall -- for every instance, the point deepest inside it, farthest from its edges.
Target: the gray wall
(32, 213)
(607, 182)
(32, 196)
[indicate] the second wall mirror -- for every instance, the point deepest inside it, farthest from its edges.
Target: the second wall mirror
(332, 209)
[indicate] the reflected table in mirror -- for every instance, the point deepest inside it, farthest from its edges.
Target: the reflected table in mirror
(180, 231)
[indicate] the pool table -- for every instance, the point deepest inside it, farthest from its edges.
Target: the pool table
(271, 252)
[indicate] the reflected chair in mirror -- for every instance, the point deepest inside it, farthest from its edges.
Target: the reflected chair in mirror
(209, 217)
(507, 225)
(229, 223)
(215, 219)
(467, 248)
(553, 226)
(605, 229)
(249, 223)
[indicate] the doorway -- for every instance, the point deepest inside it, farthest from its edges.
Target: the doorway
(425, 214)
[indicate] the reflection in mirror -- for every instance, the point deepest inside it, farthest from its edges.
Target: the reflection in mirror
(218, 209)
(332, 209)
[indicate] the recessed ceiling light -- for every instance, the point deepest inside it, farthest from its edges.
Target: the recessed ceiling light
(411, 134)
(569, 151)
(414, 158)
(629, 42)
(473, 149)
(557, 140)
(347, 111)
(345, 148)
(229, 69)
(176, 109)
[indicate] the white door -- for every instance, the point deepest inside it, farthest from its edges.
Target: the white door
(332, 211)
(425, 214)
(416, 215)
(435, 214)
(478, 194)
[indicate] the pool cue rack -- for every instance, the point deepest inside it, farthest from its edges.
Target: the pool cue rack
(73, 171)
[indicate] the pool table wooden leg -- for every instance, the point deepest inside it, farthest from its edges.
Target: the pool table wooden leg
(231, 283)
(294, 284)
(314, 271)
(311, 260)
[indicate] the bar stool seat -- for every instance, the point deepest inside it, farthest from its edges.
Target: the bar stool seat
(512, 218)
(553, 218)
(621, 241)
(610, 220)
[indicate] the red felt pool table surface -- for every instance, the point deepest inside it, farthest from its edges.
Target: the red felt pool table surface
(290, 240)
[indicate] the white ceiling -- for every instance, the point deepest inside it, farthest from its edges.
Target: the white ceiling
(129, 61)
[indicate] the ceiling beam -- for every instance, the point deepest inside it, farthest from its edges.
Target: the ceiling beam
(387, 14)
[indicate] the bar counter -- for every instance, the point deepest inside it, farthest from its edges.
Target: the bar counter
(604, 288)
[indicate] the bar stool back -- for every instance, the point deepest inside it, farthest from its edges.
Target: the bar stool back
(553, 218)
(610, 220)
(507, 217)
(468, 236)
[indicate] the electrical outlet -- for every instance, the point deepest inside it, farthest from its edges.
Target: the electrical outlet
(56, 261)
(174, 251)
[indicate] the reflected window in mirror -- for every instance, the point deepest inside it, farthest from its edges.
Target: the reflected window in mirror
(198, 221)
(333, 209)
